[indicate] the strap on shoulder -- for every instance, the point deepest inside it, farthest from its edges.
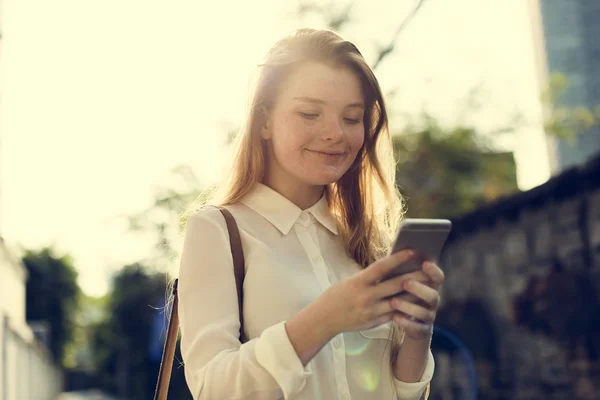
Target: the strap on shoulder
(237, 253)
(239, 267)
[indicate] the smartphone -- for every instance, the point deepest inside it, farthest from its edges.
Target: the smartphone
(426, 237)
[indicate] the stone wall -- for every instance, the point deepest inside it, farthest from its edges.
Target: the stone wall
(522, 293)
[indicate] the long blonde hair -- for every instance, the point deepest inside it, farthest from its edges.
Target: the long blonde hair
(365, 202)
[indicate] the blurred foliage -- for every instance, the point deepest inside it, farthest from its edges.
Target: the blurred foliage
(52, 295)
(126, 346)
(565, 122)
(164, 218)
(338, 16)
(91, 310)
(447, 172)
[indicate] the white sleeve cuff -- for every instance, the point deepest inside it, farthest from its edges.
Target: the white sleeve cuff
(414, 390)
(275, 353)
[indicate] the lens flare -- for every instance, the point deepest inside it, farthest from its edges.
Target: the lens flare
(367, 376)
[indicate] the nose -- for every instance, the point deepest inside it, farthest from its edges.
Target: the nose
(334, 131)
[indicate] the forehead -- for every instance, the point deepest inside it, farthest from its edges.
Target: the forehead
(332, 84)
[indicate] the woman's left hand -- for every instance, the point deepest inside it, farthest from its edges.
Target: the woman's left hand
(417, 312)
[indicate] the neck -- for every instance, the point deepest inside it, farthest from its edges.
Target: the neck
(301, 194)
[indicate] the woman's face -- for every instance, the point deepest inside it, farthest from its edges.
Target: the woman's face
(315, 128)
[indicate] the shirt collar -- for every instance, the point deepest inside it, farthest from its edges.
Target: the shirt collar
(282, 213)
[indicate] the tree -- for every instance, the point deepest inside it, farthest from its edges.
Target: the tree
(52, 295)
(447, 172)
(565, 122)
(165, 218)
(338, 17)
(128, 342)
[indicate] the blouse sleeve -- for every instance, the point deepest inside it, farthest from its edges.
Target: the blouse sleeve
(414, 390)
(217, 365)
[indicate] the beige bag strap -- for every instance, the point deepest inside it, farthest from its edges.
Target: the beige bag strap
(166, 363)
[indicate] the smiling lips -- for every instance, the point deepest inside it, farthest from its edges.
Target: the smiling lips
(329, 157)
(328, 153)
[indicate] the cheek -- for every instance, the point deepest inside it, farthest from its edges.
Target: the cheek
(356, 139)
(290, 138)
(286, 147)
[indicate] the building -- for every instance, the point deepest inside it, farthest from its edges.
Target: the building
(26, 367)
(566, 41)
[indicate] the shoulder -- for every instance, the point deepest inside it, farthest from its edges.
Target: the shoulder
(210, 215)
(206, 213)
(206, 221)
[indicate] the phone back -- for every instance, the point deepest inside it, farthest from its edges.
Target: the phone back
(426, 236)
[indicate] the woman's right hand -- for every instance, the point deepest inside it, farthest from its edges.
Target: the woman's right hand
(362, 301)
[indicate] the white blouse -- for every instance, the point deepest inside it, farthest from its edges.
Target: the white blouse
(292, 256)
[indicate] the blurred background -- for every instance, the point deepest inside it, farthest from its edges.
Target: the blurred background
(115, 115)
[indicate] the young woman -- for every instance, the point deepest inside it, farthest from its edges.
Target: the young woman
(312, 191)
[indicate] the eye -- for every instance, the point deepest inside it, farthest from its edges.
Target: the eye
(351, 121)
(309, 115)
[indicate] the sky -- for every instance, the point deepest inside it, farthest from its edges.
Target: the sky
(99, 101)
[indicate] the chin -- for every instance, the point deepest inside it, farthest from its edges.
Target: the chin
(325, 179)
(320, 177)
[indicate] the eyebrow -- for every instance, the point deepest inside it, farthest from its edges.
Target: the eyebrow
(319, 101)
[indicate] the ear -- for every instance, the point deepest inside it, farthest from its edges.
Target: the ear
(265, 124)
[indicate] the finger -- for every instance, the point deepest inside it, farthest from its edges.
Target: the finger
(380, 268)
(413, 310)
(427, 294)
(435, 273)
(408, 297)
(395, 285)
(386, 305)
(415, 328)
(383, 317)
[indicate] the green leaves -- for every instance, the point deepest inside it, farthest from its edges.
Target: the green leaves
(52, 295)
(127, 343)
(447, 172)
(565, 122)
(166, 216)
